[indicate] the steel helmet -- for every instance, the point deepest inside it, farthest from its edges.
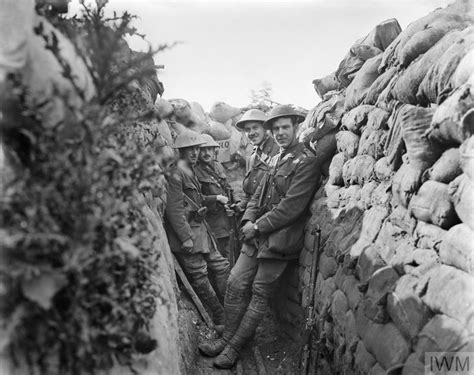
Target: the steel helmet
(188, 138)
(210, 142)
(251, 115)
(285, 110)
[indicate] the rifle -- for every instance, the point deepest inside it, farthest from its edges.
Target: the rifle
(310, 316)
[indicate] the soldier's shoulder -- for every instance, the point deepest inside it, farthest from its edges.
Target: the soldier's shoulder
(305, 155)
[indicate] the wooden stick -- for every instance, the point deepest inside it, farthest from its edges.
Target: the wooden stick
(259, 361)
(192, 294)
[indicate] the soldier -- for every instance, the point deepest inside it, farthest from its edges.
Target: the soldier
(272, 226)
(188, 233)
(264, 149)
(211, 175)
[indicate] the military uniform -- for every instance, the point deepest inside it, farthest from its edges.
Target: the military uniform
(257, 166)
(213, 182)
(183, 222)
(279, 208)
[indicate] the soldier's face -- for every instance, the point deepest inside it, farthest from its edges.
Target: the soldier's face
(190, 154)
(284, 131)
(206, 154)
(255, 132)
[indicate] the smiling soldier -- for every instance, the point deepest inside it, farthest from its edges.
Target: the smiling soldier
(272, 226)
(264, 149)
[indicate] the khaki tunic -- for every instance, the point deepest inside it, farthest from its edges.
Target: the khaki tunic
(213, 182)
(295, 176)
(182, 222)
(257, 166)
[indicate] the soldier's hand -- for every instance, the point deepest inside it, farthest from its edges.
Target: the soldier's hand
(222, 199)
(187, 245)
(248, 231)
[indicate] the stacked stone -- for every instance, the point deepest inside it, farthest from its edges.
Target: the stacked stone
(397, 210)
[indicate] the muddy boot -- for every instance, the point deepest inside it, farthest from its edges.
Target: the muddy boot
(244, 333)
(208, 296)
(234, 308)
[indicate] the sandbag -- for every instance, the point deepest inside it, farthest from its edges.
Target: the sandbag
(347, 143)
(356, 57)
(349, 195)
(464, 73)
(363, 169)
(406, 182)
(429, 236)
(450, 292)
(382, 195)
(335, 169)
(408, 82)
(356, 118)
(379, 85)
(164, 108)
(461, 192)
(219, 131)
(326, 116)
(422, 152)
(467, 157)
(324, 149)
(394, 145)
(385, 100)
(198, 111)
(386, 343)
(406, 308)
(447, 126)
(377, 119)
(457, 249)
(383, 170)
(372, 143)
(333, 194)
(363, 360)
(364, 48)
(164, 130)
(182, 111)
(326, 84)
(374, 302)
(440, 334)
(425, 39)
(366, 194)
(446, 168)
(456, 15)
(436, 84)
(223, 112)
(432, 204)
(371, 225)
(364, 78)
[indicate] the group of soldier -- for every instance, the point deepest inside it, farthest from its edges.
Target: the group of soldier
(281, 178)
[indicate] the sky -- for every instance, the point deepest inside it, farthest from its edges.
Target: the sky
(230, 48)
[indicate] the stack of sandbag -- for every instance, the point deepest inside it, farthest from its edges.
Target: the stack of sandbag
(184, 115)
(396, 212)
(223, 112)
(362, 50)
(425, 32)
